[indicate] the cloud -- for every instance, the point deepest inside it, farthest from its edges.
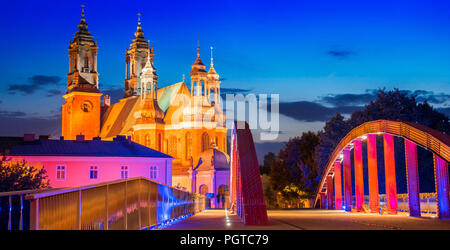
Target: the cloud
(8, 114)
(53, 92)
(18, 126)
(445, 111)
(349, 99)
(431, 97)
(34, 83)
(341, 54)
(312, 111)
(348, 103)
(224, 91)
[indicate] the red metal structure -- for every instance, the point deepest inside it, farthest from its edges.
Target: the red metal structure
(246, 185)
(414, 134)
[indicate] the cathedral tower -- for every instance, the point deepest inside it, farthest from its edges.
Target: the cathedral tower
(149, 126)
(213, 83)
(135, 58)
(198, 75)
(81, 110)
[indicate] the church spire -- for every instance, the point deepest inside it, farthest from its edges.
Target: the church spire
(198, 72)
(82, 60)
(135, 58)
(213, 82)
(139, 32)
(83, 34)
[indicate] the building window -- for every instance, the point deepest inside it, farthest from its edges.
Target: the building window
(188, 148)
(60, 172)
(153, 172)
(93, 173)
(159, 143)
(205, 141)
(173, 146)
(147, 141)
(124, 172)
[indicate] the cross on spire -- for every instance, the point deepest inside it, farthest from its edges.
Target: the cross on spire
(212, 55)
(82, 10)
(198, 45)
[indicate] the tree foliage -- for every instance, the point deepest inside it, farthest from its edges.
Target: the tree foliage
(18, 175)
(293, 172)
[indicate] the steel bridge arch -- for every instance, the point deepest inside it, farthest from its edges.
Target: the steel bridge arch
(436, 142)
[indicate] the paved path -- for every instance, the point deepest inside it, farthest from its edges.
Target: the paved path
(215, 219)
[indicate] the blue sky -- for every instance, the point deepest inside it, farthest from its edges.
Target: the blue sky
(303, 50)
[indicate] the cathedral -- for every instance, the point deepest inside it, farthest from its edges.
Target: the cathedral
(186, 123)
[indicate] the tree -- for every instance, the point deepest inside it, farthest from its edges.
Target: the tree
(293, 172)
(335, 129)
(18, 175)
(268, 159)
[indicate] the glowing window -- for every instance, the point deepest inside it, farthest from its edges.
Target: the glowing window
(153, 172)
(93, 173)
(60, 172)
(124, 172)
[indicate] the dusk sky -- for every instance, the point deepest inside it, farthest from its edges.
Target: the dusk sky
(323, 56)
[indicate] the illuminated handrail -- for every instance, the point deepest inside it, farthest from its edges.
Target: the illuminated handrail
(430, 139)
(428, 203)
(133, 204)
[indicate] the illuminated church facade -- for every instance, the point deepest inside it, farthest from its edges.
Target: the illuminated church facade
(185, 123)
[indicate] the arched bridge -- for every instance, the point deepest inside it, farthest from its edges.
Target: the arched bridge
(414, 135)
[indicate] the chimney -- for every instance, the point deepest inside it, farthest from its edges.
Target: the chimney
(129, 139)
(98, 138)
(80, 137)
(28, 137)
(44, 137)
(106, 101)
(120, 138)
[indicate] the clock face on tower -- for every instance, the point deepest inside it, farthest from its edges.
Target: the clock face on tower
(86, 106)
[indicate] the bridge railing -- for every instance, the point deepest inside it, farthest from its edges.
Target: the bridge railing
(428, 203)
(15, 209)
(133, 204)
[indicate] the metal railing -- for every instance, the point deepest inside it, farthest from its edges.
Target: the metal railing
(15, 209)
(428, 203)
(133, 204)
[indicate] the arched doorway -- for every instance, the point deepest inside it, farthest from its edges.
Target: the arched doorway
(222, 196)
(203, 189)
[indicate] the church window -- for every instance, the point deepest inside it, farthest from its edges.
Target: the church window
(188, 149)
(86, 63)
(173, 146)
(205, 141)
(159, 142)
